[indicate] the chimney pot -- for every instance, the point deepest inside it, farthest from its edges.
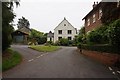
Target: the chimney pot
(94, 5)
(97, 2)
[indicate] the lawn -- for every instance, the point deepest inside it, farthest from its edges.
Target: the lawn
(45, 48)
(10, 59)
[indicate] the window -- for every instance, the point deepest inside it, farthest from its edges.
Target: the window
(69, 31)
(50, 39)
(93, 18)
(59, 38)
(100, 14)
(69, 38)
(59, 31)
(64, 24)
(88, 22)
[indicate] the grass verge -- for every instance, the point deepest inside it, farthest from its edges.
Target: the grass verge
(45, 48)
(10, 59)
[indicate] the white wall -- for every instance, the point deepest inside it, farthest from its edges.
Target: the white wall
(64, 30)
(48, 39)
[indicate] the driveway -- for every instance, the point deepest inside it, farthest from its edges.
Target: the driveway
(64, 63)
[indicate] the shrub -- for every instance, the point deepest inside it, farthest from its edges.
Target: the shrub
(49, 43)
(41, 40)
(57, 43)
(80, 38)
(114, 33)
(64, 42)
(101, 48)
(94, 37)
(70, 42)
(98, 35)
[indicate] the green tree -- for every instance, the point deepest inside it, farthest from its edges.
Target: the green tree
(114, 33)
(7, 19)
(82, 31)
(38, 36)
(23, 23)
(81, 36)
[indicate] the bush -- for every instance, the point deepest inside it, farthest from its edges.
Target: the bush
(100, 48)
(114, 33)
(94, 37)
(80, 38)
(64, 42)
(79, 45)
(98, 36)
(41, 40)
(48, 43)
(57, 43)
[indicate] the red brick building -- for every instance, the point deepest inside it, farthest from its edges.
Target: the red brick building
(93, 18)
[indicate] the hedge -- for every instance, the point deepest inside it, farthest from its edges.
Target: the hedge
(100, 48)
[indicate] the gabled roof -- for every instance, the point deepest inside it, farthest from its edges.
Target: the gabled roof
(62, 21)
(18, 32)
(95, 8)
(50, 34)
(24, 30)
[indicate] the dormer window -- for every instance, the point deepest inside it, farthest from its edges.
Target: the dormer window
(94, 18)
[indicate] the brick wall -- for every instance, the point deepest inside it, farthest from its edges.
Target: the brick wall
(92, 25)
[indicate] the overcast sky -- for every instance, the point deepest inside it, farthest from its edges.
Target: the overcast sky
(45, 15)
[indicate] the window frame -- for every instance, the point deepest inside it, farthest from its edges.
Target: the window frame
(100, 13)
(59, 31)
(69, 31)
(94, 18)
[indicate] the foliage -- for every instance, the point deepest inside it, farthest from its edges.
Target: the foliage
(103, 31)
(35, 33)
(48, 43)
(45, 48)
(79, 45)
(104, 35)
(98, 36)
(42, 39)
(81, 37)
(82, 31)
(75, 41)
(7, 26)
(64, 42)
(23, 23)
(100, 48)
(110, 12)
(14, 59)
(57, 43)
(114, 33)
(94, 37)
(37, 36)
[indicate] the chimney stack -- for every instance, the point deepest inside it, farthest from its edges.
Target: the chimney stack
(95, 4)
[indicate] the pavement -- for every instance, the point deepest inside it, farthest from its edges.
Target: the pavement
(64, 63)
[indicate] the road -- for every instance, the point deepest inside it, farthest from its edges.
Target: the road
(64, 63)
